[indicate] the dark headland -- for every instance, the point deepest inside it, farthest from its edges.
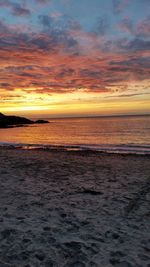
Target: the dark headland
(16, 121)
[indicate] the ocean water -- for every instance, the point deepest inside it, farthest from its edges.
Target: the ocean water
(130, 134)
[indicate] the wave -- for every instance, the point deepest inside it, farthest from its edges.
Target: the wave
(118, 149)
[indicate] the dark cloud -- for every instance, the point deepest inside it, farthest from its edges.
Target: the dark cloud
(135, 66)
(119, 5)
(43, 2)
(58, 31)
(46, 21)
(65, 72)
(97, 74)
(139, 30)
(5, 84)
(140, 61)
(118, 69)
(127, 25)
(102, 25)
(62, 23)
(126, 95)
(3, 29)
(49, 40)
(44, 42)
(134, 45)
(5, 3)
(16, 9)
(143, 28)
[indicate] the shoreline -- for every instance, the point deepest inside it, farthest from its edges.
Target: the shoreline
(143, 150)
(73, 208)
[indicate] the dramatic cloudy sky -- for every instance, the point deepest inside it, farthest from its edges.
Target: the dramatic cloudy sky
(74, 57)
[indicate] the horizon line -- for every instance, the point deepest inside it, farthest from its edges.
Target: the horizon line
(94, 116)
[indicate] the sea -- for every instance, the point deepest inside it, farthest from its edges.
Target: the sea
(121, 134)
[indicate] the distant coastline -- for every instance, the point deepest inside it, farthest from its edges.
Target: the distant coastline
(92, 116)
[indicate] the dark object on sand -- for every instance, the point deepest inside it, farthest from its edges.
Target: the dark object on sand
(89, 191)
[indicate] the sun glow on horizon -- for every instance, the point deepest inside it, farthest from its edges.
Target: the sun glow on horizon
(76, 103)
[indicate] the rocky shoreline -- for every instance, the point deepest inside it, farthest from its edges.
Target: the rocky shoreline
(16, 121)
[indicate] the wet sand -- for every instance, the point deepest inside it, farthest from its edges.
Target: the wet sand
(74, 209)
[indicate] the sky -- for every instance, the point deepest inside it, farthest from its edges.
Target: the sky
(74, 57)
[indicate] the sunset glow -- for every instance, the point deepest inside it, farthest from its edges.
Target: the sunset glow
(74, 58)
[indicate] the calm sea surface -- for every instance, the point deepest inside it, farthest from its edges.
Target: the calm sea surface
(117, 134)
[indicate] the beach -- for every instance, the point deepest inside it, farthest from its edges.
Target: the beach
(74, 209)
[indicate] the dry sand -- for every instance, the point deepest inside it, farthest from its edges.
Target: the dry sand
(73, 209)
